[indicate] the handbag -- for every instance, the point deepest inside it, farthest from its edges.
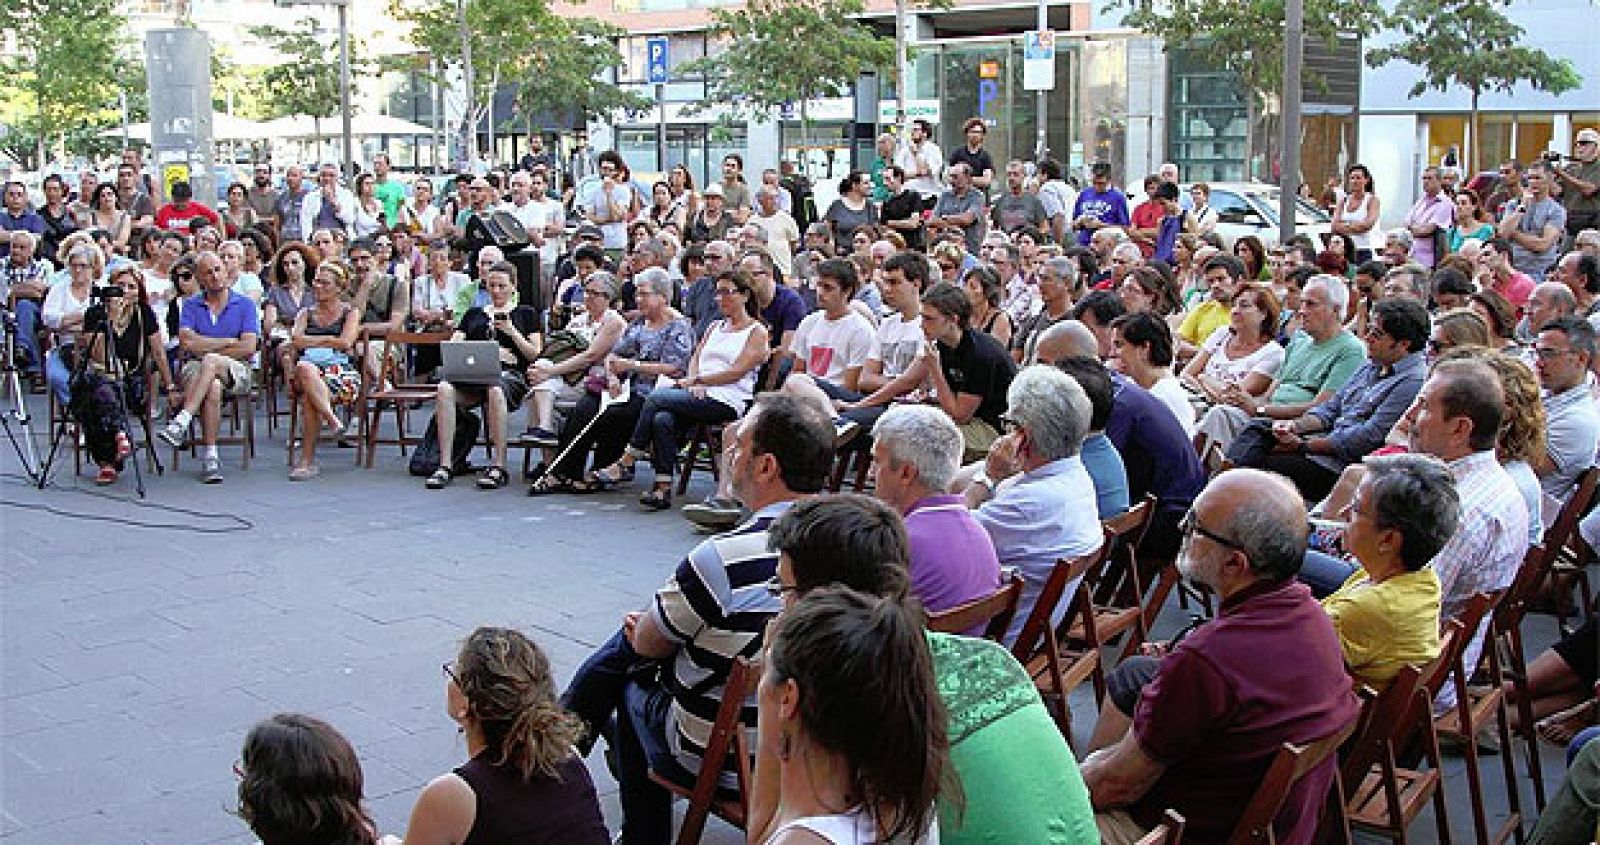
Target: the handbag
(323, 356)
(562, 345)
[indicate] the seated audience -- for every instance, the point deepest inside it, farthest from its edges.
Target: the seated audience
(597, 326)
(1562, 356)
(1019, 782)
(1097, 312)
(1456, 328)
(1100, 458)
(523, 781)
(300, 781)
(323, 375)
(1143, 353)
(916, 451)
(1056, 278)
(1316, 364)
(655, 345)
(516, 329)
(1244, 353)
(984, 290)
(1048, 514)
(1223, 274)
(1196, 729)
(832, 344)
(719, 382)
(1500, 317)
(1313, 448)
(1387, 612)
(711, 610)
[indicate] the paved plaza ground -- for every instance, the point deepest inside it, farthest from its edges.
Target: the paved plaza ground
(134, 657)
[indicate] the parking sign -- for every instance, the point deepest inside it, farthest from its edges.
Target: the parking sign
(656, 60)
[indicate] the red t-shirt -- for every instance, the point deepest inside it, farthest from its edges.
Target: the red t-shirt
(170, 218)
(1516, 289)
(1147, 215)
(1266, 671)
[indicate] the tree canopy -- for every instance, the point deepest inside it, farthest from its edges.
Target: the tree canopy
(62, 85)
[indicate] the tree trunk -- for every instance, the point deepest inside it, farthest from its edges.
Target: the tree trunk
(316, 137)
(1473, 141)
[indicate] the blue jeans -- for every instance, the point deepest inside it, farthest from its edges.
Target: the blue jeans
(59, 376)
(1324, 573)
(27, 312)
(665, 420)
(629, 707)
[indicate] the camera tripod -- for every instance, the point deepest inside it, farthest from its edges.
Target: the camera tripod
(11, 375)
(116, 375)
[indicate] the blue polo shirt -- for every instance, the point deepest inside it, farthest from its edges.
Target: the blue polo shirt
(27, 221)
(238, 317)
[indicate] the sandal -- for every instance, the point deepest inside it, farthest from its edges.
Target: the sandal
(305, 473)
(550, 484)
(493, 478)
(439, 480)
(611, 476)
(657, 499)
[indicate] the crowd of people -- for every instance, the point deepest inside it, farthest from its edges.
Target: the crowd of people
(1017, 359)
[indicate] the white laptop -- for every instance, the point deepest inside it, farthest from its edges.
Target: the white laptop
(470, 361)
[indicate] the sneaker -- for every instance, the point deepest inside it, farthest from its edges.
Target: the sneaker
(844, 430)
(211, 470)
(174, 434)
(543, 437)
(714, 513)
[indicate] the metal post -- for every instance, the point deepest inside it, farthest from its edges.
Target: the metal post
(122, 103)
(344, 89)
(1041, 146)
(901, 71)
(1289, 156)
(470, 119)
(661, 127)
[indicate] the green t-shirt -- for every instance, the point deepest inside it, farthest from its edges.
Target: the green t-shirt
(1310, 368)
(1019, 778)
(392, 194)
(880, 191)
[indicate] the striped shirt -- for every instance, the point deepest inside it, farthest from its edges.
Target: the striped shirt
(1488, 546)
(715, 608)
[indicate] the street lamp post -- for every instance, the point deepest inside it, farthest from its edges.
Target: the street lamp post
(1289, 158)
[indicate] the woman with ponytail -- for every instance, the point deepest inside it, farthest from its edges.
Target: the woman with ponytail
(524, 783)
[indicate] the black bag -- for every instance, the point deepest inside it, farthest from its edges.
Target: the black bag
(425, 458)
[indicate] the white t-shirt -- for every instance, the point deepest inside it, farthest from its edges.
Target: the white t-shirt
(248, 285)
(781, 232)
(1172, 394)
(600, 205)
(535, 217)
(830, 347)
(1057, 197)
(1266, 360)
(912, 160)
(899, 342)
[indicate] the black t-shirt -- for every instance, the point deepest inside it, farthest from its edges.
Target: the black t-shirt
(526, 320)
(979, 161)
(904, 206)
(979, 366)
(132, 342)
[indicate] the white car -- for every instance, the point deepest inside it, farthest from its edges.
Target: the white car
(1251, 208)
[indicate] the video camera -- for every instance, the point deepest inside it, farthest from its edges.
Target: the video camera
(105, 292)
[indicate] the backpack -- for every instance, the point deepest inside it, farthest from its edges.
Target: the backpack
(563, 344)
(425, 458)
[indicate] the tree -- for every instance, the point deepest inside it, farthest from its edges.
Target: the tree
(485, 40)
(57, 84)
(1473, 45)
(788, 52)
(566, 67)
(307, 81)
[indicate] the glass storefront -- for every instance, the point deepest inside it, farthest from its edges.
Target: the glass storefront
(698, 147)
(1207, 123)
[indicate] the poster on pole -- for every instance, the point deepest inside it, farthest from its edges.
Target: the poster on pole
(1039, 60)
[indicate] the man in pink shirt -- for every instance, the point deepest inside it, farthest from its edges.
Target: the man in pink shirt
(1434, 212)
(1498, 274)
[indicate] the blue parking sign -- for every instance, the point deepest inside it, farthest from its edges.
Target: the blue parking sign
(656, 60)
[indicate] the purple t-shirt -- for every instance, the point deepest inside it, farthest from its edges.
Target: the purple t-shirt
(783, 314)
(1110, 208)
(952, 558)
(238, 317)
(1266, 671)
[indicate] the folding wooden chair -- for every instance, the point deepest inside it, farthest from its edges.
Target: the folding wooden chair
(1169, 832)
(1570, 555)
(727, 738)
(709, 437)
(1056, 669)
(1381, 796)
(1291, 763)
(394, 390)
(1116, 589)
(1474, 706)
(995, 609)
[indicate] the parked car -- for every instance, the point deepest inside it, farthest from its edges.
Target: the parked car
(1251, 208)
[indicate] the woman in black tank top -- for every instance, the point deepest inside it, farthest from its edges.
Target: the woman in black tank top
(523, 782)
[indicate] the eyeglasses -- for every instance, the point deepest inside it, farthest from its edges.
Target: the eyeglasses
(596, 293)
(777, 589)
(1545, 353)
(1010, 424)
(183, 275)
(728, 291)
(449, 672)
(1190, 525)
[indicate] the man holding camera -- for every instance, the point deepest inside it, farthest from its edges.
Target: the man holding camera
(1533, 223)
(1580, 183)
(217, 332)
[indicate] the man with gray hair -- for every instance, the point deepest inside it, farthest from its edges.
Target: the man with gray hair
(961, 207)
(778, 227)
(1550, 301)
(1396, 247)
(1408, 280)
(916, 451)
(1197, 728)
(1320, 358)
(1054, 283)
(1049, 512)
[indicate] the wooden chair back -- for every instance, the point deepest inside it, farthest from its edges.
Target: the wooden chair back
(1289, 765)
(1168, 832)
(727, 738)
(993, 611)
(1037, 627)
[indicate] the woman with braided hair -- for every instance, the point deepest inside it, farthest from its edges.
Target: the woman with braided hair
(523, 783)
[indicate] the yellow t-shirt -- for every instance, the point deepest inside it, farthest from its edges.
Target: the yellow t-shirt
(1385, 626)
(1202, 321)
